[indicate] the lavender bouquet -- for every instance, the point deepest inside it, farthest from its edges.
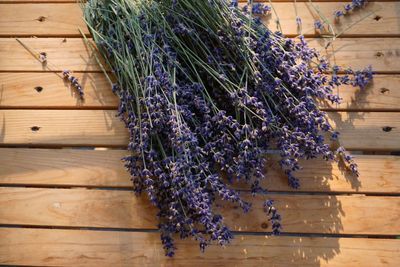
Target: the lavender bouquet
(206, 90)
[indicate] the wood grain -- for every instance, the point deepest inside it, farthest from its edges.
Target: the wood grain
(41, 20)
(17, 90)
(62, 127)
(367, 130)
(104, 168)
(65, 19)
(382, 94)
(359, 131)
(356, 214)
(362, 22)
(70, 53)
(382, 53)
(50, 90)
(338, 214)
(44, 247)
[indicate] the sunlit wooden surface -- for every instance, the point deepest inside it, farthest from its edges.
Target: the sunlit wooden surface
(62, 205)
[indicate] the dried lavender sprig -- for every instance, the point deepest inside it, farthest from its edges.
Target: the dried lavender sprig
(42, 58)
(348, 8)
(74, 82)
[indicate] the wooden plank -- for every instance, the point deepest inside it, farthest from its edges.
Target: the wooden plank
(17, 90)
(359, 131)
(50, 90)
(378, 174)
(45, 247)
(65, 19)
(104, 168)
(69, 53)
(381, 53)
(382, 94)
(376, 19)
(62, 127)
(65, 167)
(41, 20)
(356, 214)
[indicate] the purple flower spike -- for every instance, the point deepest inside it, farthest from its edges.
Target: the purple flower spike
(74, 82)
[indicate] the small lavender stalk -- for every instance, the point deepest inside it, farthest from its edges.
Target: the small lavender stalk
(74, 82)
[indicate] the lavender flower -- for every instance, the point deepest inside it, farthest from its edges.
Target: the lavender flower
(298, 21)
(338, 14)
(43, 57)
(74, 81)
(257, 8)
(318, 25)
(204, 100)
(275, 218)
(361, 77)
(341, 152)
(348, 8)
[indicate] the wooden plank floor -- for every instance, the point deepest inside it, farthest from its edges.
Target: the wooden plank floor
(65, 198)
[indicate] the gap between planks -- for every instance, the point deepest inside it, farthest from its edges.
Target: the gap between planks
(244, 233)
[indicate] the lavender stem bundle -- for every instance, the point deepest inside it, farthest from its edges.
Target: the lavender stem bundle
(206, 90)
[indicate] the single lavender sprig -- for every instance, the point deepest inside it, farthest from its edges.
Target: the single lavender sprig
(348, 159)
(42, 57)
(274, 216)
(74, 82)
(318, 25)
(348, 8)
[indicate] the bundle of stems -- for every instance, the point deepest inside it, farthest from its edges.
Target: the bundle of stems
(206, 90)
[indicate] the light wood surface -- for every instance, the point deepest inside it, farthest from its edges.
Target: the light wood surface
(73, 54)
(376, 19)
(355, 214)
(367, 130)
(42, 213)
(382, 94)
(52, 247)
(62, 127)
(50, 90)
(62, 53)
(381, 53)
(41, 20)
(359, 131)
(18, 90)
(104, 168)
